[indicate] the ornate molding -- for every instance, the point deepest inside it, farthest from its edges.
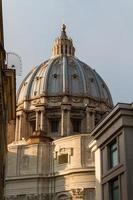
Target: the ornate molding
(77, 100)
(61, 151)
(37, 101)
(55, 99)
(77, 193)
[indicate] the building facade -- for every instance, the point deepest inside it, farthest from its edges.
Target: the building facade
(7, 103)
(112, 144)
(58, 105)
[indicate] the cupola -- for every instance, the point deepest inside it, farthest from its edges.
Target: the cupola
(63, 45)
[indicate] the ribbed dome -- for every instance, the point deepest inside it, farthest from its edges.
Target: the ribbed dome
(63, 75)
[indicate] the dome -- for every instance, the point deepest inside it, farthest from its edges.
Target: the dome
(63, 75)
(63, 96)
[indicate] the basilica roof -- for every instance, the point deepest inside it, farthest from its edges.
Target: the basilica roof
(63, 74)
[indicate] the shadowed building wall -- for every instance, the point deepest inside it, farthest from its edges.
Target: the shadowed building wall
(7, 102)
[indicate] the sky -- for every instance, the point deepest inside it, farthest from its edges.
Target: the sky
(102, 33)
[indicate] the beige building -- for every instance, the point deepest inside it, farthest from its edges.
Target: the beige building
(58, 104)
(112, 143)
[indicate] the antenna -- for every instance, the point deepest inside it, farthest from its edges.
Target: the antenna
(14, 62)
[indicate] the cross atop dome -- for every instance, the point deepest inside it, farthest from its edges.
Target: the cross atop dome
(63, 31)
(63, 45)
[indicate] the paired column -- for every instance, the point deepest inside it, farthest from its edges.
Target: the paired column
(40, 119)
(20, 128)
(65, 120)
(37, 120)
(90, 118)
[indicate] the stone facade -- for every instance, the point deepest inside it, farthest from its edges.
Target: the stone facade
(63, 165)
(58, 105)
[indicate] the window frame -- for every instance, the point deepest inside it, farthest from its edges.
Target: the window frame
(111, 152)
(52, 130)
(114, 188)
(78, 121)
(63, 163)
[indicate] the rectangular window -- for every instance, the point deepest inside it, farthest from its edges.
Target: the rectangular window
(113, 154)
(114, 190)
(33, 125)
(63, 158)
(76, 125)
(54, 126)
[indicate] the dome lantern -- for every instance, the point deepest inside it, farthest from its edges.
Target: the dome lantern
(63, 45)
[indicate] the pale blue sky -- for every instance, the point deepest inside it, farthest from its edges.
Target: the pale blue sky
(102, 32)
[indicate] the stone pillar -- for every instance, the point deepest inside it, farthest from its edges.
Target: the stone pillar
(17, 128)
(11, 131)
(68, 120)
(77, 194)
(43, 120)
(90, 118)
(65, 120)
(38, 114)
(40, 119)
(23, 125)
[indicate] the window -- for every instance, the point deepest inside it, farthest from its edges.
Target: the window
(33, 125)
(113, 154)
(63, 158)
(31, 122)
(76, 125)
(54, 126)
(114, 189)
